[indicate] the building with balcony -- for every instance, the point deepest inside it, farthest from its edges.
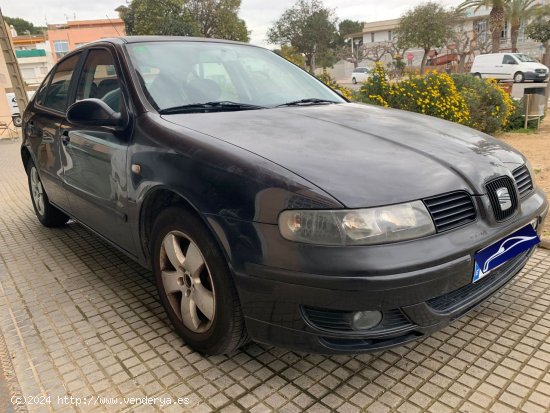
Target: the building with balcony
(34, 58)
(475, 24)
(66, 37)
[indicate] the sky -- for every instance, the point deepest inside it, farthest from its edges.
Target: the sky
(258, 14)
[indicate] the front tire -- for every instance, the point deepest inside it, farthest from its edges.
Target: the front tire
(195, 285)
(47, 214)
(519, 77)
(354, 81)
(478, 75)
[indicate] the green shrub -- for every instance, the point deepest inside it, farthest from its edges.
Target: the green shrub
(328, 80)
(490, 106)
(517, 119)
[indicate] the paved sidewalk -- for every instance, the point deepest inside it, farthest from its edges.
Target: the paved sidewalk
(79, 319)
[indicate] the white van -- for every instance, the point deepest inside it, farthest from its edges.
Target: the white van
(509, 66)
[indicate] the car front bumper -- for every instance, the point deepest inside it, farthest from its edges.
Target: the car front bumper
(301, 296)
(540, 77)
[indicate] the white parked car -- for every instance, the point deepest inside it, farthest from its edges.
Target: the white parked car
(14, 108)
(509, 66)
(360, 74)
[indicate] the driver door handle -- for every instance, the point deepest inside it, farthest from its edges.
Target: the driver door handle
(65, 137)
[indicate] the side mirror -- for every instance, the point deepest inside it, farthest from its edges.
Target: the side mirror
(93, 112)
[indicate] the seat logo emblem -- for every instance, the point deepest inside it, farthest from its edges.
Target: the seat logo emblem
(504, 198)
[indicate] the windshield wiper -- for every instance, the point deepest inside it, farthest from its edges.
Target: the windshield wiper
(308, 101)
(210, 106)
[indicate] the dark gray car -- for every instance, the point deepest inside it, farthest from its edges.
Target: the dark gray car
(266, 205)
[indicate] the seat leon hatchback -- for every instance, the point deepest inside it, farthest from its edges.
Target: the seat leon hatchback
(267, 206)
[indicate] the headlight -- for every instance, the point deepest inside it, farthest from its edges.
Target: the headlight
(357, 227)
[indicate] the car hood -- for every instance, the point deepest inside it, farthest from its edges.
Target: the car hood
(364, 155)
(534, 65)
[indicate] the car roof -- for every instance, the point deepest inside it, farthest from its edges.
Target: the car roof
(151, 39)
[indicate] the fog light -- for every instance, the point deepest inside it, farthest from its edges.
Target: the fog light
(365, 320)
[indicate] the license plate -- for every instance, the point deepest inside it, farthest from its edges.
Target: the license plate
(501, 251)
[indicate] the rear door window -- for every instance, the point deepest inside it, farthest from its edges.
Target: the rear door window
(57, 94)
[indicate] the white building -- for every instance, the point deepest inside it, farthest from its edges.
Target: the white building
(34, 57)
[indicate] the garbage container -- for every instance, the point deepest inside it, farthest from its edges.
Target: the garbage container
(535, 101)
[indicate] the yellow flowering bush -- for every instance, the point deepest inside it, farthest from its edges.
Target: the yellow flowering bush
(327, 79)
(464, 99)
(434, 94)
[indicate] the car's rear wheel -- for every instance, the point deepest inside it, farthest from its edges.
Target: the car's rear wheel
(478, 75)
(354, 81)
(195, 284)
(519, 77)
(47, 214)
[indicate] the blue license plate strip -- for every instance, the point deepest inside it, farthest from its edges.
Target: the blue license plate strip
(503, 250)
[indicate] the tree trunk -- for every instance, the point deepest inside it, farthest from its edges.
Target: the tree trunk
(496, 24)
(514, 35)
(424, 58)
(310, 61)
(461, 62)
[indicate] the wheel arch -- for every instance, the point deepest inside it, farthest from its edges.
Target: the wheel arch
(25, 156)
(156, 200)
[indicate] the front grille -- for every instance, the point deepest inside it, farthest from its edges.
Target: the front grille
(335, 320)
(523, 180)
(492, 188)
(451, 210)
(449, 302)
(540, 70)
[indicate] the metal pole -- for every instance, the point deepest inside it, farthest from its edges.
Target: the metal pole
(527, 97)
(13, 67)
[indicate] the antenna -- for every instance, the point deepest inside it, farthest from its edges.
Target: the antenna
(112, 24)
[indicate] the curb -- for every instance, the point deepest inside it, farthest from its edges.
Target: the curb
(545, 243)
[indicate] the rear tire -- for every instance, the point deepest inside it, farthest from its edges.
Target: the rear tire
(47, 214)
(195, 284)
(478, 75)
(354, 81)
(17, 121)
(519, 77)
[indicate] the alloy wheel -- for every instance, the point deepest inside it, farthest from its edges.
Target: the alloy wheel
(187, 281)
(37, 191)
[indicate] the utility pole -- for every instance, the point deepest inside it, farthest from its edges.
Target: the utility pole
(13, 68)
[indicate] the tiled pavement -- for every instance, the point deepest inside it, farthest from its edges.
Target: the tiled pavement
(81, 320)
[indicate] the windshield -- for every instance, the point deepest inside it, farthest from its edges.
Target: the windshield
(524, 58)
(178, 74)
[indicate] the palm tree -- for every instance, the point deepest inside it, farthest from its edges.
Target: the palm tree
(518, 11)
(496, 17)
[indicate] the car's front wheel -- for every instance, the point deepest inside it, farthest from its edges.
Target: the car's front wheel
(17, 121)
(47, 214)
(519, 77)
(354, 81)
(195, 284)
